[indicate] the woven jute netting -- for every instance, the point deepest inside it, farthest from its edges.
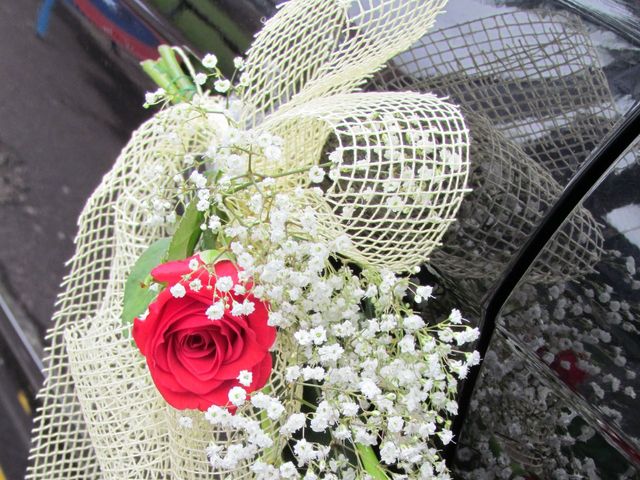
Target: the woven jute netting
(400, 178)
(536, 103)
(534, 74)
(510, 195)
(101, 416)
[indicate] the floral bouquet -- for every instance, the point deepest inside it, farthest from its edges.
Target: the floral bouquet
(239, 304)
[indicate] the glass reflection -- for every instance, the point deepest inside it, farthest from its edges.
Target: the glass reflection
(537, 101)
(585, 329)
(521, 427)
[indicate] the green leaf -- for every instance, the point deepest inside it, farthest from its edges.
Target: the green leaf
(186, 237)
(137, 295)
(494, 446)
(209, 240)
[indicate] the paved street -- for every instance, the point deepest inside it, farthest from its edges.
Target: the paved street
(66, 110)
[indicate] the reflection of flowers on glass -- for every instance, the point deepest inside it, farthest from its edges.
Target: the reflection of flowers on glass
(583, 329)
(205, 339)
(519, 428)
(565, 364)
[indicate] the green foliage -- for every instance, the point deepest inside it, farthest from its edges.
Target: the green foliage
(370, 462)
(187, 233)
(137, 295)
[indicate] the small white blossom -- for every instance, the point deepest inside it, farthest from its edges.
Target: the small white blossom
(210, 61)
(369, 388)
(200, 78)
(318, 335)
(214, 223)
(178, 290)
(222, 85)
(224, 284)
(237, 396)
(199, 180)
(185, 422)
(316, 174)
(247, 307)
(455, 317)
(215, 311)
(446, 436)
(238, 63)
(294, 423)
(292, 373)
(423, 293)
(245, 377)
(395, 424)
(288, 470)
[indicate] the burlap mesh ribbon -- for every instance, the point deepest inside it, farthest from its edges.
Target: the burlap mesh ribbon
(536, 103)
(101, 415)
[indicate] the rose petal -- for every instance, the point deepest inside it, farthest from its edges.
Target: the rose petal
(265, 334)
(220, 396)
(185, 378)
(172, 272)
(261, 373)
(193, 361)
(225, 268)
(252, 353)
(162, 311)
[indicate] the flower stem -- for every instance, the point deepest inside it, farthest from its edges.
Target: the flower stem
(185, 88)
(370, 462)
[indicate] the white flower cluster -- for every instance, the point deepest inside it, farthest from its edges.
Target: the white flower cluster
(379, 374)
(355, 366)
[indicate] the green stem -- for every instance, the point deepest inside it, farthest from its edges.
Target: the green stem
(370, 462)
(157, 74)
(185, 88)
(265, 421)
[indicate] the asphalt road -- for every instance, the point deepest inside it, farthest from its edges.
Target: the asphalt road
(68, 104)
(66, 110)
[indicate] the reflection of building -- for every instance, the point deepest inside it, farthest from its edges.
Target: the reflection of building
(536, 105)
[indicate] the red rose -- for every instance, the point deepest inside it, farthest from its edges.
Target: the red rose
(195, 360)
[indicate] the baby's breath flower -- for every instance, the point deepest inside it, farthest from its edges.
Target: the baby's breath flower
(222, 85)
(245, 377)
(237, 396)
(178, 290)
(154, 97)
(185, 422)
(200, 78)
(423, 293)
(210, 61)
(238, 63)
(215, 311)
(224, 284)
(316, 174)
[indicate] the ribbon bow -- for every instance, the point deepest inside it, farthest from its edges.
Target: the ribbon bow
(401, 163)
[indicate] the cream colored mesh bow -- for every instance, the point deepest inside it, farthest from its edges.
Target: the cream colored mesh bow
(519, 77)
(403, 163)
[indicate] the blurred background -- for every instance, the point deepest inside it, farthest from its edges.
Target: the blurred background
(72, 93)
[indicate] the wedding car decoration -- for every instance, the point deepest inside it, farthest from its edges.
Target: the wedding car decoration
(239, 304)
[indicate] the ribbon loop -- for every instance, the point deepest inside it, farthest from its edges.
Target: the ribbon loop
(396, 168)
(316, 48)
